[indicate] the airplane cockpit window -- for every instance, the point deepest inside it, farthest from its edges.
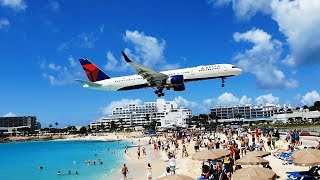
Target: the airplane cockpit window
(234, 67)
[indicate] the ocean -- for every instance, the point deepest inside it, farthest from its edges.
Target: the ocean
(22, 160)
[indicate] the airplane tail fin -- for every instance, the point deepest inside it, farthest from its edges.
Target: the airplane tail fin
(92, 71)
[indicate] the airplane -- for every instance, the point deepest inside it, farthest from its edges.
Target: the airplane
(147, 78)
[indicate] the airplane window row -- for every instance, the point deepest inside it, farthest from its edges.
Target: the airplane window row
(127, 80)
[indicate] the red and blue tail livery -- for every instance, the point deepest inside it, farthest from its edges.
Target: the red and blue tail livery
(92, 71)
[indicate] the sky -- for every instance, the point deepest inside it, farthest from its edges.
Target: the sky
(276, 43)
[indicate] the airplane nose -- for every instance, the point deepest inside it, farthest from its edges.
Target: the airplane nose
(240, 71)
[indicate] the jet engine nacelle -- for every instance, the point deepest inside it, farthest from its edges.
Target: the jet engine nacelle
(179, 87)
(175, 80)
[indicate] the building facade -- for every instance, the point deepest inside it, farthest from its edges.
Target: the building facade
(165, 113)
(7, 124)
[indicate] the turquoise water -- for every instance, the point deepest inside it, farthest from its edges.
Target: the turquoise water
(22, 160)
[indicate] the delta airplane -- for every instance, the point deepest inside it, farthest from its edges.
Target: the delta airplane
(147, 78)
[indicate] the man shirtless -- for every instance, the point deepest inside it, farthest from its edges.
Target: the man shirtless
(124, 171)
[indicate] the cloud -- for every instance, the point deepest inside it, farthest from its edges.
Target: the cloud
(54, 6)
(121, 103)
(59, 75)
(83, 40)
(262, 59)
(299, 21)
(227, 99)
(101, 28)
(148, 51)
(10, 114)
(245, 9)
(4, 22)
(267, 99)
(310, 97)
(14, 4)
(72, 61)
(54, 67)
(182, 102)
(245, 100)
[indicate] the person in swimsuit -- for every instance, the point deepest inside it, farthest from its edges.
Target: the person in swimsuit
(124, 171)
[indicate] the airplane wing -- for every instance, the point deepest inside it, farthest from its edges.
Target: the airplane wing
(88, 82)
(150, 75)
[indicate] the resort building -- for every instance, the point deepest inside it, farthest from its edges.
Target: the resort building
(7, 124)
(269, 112)
(164, 113)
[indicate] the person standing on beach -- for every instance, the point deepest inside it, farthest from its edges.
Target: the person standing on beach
(149, 172)
(172, 164)
(138, 152)
(124, 171)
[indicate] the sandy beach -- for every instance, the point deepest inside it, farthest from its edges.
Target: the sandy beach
(185, 165)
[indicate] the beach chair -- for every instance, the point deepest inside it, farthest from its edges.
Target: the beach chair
(311, 174)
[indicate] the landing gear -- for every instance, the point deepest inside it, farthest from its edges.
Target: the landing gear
(159, 92)
(223, 81)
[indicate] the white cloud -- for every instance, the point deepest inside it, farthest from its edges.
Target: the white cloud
(54, 5)
(245, 100)
(61, 74)
(299, 21)
(4, 22)
(101, 28)
(72, 61)
(310, 97)
(262, 59)
(14, 4)
(10, 114)
(182, 102)
(227, 99)
(122, 103)
(112, 62)
(54, 67)
(86, 40)
(148, 51)
(267, 99)
(83, 40)
(245, 9)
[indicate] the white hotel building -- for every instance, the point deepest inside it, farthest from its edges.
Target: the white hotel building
(166, 113)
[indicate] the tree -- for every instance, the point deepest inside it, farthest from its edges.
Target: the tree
(83, 130)
(56, 125)
(112, 126)
(14, 132)
(121, 124)
(50, 126)
(291, 120)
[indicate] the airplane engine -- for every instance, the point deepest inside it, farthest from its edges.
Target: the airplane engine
(179, 87)
(175, 80)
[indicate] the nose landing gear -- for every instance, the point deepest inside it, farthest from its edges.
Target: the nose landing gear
(223, 81)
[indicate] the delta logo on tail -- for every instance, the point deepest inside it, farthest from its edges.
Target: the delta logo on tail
(92, 71)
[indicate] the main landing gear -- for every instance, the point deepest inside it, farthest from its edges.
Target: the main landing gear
(223, 81)
(159, 92)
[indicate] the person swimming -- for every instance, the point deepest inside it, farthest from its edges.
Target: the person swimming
(69, 172)
(77, 172)
(41, 167)
(59, 173)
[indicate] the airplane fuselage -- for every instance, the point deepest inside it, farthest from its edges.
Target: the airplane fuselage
(189, 74)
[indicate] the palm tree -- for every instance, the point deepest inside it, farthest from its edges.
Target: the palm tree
(56, 125)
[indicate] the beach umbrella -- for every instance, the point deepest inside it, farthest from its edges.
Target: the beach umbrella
(251, 160)
(306, 157)
(300, 152)
(176, 177)
(213, 154)
(254, 173)
(258, 153)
